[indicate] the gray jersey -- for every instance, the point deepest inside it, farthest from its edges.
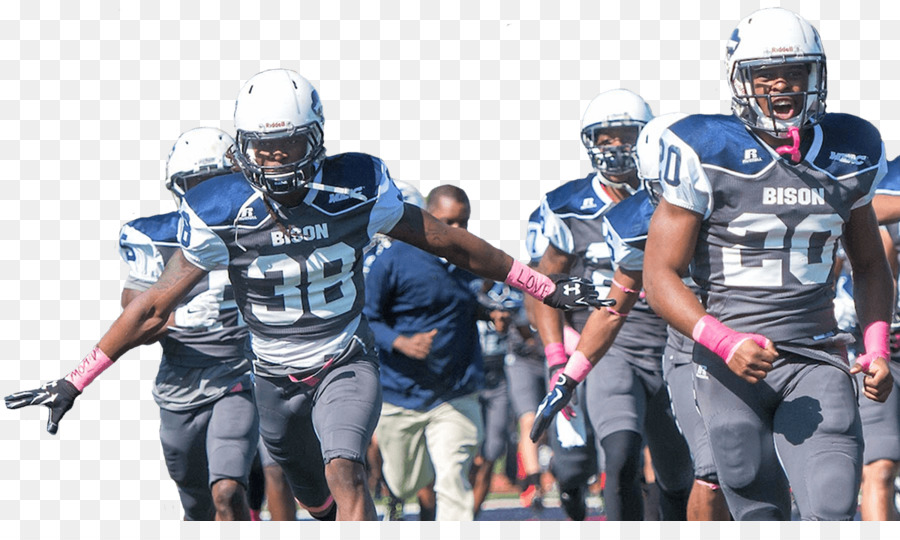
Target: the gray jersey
(296, 272)
(770, 231)
(198, 366)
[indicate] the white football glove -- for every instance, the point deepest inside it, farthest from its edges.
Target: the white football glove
(200, 313)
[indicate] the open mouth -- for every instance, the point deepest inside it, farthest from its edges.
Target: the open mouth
(783, 108)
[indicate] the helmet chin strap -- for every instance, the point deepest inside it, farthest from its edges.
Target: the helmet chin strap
(792, 150)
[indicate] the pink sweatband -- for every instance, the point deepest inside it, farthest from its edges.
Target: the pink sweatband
(720, 339)
(93, 364)
(578, 367)
(556, 355)
(616, 313)
(623, 288)
(530, 281)
(875, 338)
(571, 337)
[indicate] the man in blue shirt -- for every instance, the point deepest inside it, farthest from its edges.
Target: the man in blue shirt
(423, 314)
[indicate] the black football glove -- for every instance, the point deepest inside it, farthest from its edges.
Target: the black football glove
(574, 292)
(58, 396)
(554, 402)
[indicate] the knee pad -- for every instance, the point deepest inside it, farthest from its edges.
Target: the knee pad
(832, 485)
(736, 444)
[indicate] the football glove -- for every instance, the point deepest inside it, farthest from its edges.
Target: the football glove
(554, 402)
(201, 312)
(575, 292)
(58, 396)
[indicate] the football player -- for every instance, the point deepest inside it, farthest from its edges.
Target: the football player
(291, 228)
(629, 399)
(757, 202)
(626, 233)
(628, 395)
(208, 423)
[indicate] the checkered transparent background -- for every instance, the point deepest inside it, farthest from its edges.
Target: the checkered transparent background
(484, 95)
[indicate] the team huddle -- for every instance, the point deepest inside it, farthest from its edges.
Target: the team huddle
(311, 309)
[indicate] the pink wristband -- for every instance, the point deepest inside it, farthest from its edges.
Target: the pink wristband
(720, 339)
(875, 339)
(530, 281)
(93, 364)
(555, 354)
(578, 367)
(571, 337)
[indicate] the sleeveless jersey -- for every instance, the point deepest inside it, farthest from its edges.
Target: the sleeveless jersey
(766, 248)
(198, 366)
(296, 271)
(570, 220)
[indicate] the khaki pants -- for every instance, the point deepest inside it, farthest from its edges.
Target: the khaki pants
(419, 447)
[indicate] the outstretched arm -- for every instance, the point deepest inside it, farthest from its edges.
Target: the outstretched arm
(140, 322)
(462, 248)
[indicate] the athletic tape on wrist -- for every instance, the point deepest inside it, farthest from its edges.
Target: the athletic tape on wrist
(720, 339)
(555, 354)
(529, 281)
(876, 340)
(93, 365)
(571, 337)
(578, 367)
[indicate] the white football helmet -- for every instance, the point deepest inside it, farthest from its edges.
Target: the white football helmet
(614, 108)
(278, 111)
(197, 155)
(648, 153)
(767, 38)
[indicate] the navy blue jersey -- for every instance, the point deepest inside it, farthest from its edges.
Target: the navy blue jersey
(570, 220)
(770, 229)
(215, 355)
(296, 271)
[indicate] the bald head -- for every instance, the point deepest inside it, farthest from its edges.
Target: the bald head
(450, 205)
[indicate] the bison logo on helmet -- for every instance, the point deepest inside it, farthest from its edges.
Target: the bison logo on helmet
(316, 105)
(733, 42)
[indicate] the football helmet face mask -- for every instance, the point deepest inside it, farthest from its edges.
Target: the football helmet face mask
(609, 132)
(280, 137)
(648, 154)
(776, 40)
(198, 155)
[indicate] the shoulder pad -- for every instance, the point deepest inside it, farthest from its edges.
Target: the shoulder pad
(576, 198)
(225, 200)
(161, 228)
(359, 172)
(849, 144)
(723, 141)
(631, 219)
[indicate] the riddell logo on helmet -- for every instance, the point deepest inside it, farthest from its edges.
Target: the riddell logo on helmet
(782, 49)
(275, 125)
